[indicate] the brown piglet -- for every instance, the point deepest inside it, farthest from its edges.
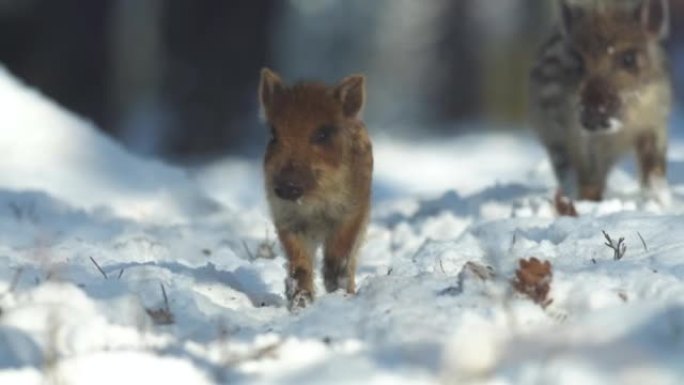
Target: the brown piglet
(317, 168)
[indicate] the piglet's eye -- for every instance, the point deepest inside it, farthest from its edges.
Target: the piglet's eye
(324, 134)
(629, 60)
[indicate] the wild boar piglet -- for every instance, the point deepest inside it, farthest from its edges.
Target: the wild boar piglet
(601, 88)
(317, 168)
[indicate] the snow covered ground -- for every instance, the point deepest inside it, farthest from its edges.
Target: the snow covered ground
(120, 270)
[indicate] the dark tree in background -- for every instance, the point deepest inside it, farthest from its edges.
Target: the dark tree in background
(60, 47)
(459, 49)
(214, 50)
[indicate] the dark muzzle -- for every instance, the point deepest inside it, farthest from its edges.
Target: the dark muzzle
(288, 190)
(292, 182)
(599, 105)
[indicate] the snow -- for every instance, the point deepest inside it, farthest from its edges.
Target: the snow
(87, 170)
(73, 202)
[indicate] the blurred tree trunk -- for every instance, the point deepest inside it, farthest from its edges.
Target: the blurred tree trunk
(459, 93)
(403, 64)
(60, 47)
(137, 65)
(214, 50)
(510, 39)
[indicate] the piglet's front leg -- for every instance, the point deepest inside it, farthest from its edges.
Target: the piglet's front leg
(651, 149)
(299, 288)
(341, 247)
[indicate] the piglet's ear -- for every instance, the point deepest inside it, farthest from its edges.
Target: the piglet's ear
(269, 88)
(351, 91)
(655, 17)
(570, 15)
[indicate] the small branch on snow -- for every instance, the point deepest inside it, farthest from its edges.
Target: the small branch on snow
(162, 316)
(249, 252)
(166, 299)
(265, 250)
(642, 241)
(619, 248)
(99, 268)
(514, 240)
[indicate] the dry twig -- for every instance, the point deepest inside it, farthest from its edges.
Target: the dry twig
(643, 242)
(619, 248)
(99, 268)
(163, 315)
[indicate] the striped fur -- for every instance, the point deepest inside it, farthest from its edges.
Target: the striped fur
(600, 88)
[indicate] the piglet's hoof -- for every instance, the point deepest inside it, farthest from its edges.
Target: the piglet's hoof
(564, 206)
(300, 300)
(297, 298)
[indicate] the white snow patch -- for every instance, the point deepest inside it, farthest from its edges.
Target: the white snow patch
(48, 149)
